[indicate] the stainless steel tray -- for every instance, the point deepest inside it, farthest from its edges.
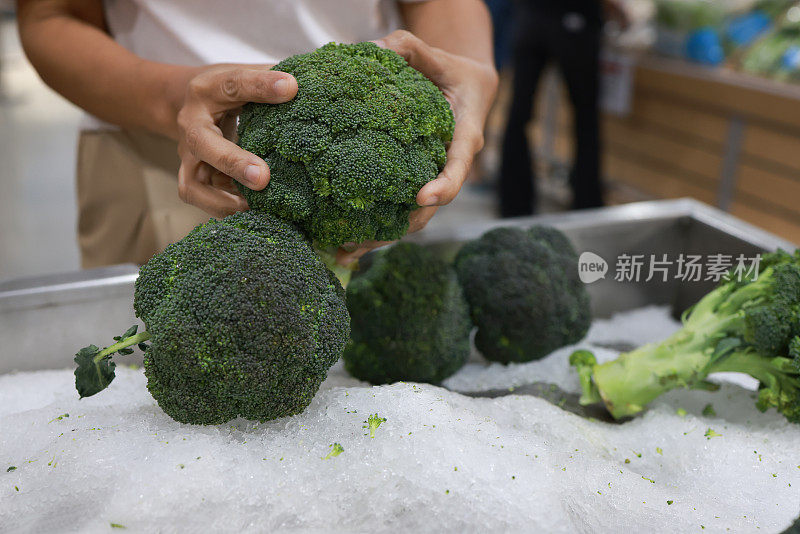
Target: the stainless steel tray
(45, 320)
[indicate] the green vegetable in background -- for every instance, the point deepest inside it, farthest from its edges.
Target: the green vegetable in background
(687, 15)
(350, 152)
(524, 293)
(768, 57)
(410, 321)
(750, 326)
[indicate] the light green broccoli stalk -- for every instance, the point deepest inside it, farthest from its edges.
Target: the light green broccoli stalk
(750, 326)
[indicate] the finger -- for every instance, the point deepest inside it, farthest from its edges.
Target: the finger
(224, 182)
(204, 195)
(467, 141)
(419, 218)
(419, 54)
(206, 143)
(346, 256)
(346, 259)
(236, 86)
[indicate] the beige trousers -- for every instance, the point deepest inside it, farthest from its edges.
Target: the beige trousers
(128, 205)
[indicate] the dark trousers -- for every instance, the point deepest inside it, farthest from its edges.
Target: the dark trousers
(541, 36)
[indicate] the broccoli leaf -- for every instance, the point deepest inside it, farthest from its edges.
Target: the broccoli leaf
(95, 369)
(92, 376)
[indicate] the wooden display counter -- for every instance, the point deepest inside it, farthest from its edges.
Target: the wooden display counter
(725, 138)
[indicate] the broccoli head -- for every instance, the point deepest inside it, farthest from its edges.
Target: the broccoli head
(409, 318)
(524, 293)
(243, 320)
(350, 152)
(747, 326)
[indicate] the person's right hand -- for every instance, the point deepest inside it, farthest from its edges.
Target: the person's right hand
(209, 161)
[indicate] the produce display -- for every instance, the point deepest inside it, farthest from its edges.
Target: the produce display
(777, 55)
(441, 461)
(409, 319)
(243, 316)
(351, 151)
(524, 293)
(758, 37)
(750, 326)
(245, 319)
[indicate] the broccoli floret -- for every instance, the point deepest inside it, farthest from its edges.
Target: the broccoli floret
(244, 321)
(409, 318)
(372, 423)
(747, 326)
(350, 152)
(336, 450)
(524, 293)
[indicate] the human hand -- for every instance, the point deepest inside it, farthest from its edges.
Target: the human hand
(469, 87)
(209, 161)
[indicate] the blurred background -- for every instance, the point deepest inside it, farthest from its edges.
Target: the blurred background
(695, 98)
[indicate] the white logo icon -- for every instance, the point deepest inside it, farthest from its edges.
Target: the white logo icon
(591, 267)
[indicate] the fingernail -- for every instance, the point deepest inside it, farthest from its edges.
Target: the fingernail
(281, 86)
(252, 174)
(380, 42)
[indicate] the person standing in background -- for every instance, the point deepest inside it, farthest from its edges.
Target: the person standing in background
(567, 32)
(162, 79)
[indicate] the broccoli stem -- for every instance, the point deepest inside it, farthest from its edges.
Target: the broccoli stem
(328, 257)
(121, 344)
(628, 384)
(778, 376)
(684, 360)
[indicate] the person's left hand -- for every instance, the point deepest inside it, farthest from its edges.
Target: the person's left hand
(469, 87)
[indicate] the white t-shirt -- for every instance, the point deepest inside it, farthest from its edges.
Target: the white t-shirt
(202, 32)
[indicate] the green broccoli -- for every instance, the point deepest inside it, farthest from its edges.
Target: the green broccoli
(747, 326)
(244, 321)
(372, 423)
(350, 152)
(409, 318)
(336, 450)
(524, 293)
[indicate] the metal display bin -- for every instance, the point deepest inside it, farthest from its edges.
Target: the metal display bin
(45, 320)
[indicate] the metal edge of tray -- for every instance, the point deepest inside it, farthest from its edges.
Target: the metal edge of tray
(60, 288)
(738, 228)
(625, 213)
